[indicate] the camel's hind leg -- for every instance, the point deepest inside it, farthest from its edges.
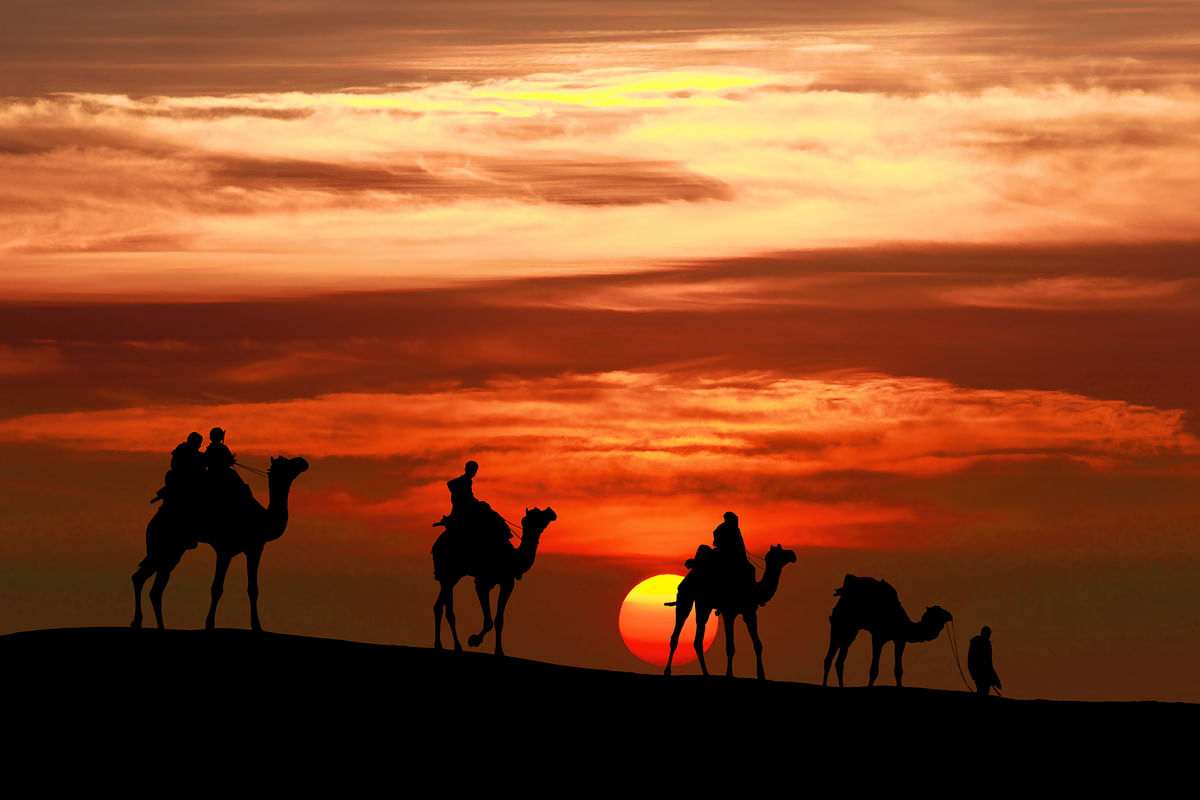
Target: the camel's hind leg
(839, 645)
(218, 586)
(485, 605)
(445, 600)
(139, 580)
(156, 593)
(682, 609)
(701, 623)
(505, 590)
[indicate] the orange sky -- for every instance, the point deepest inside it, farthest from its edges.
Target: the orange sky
(913, 291)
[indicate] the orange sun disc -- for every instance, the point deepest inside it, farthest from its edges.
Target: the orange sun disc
(646, 624)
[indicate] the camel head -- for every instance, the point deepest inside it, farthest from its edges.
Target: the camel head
(536, 520)
(778, 555)
(936, 615)
(286, 469)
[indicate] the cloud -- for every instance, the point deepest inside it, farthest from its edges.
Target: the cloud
(1080, 292)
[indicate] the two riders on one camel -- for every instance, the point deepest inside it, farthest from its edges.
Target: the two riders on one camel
(196, 477)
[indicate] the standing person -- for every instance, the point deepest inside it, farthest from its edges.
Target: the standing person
(979, 662)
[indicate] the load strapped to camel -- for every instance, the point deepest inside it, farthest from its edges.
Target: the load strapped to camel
(857, 592)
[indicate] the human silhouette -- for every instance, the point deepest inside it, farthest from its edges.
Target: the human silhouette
(979, 662)
(730, 550)
(470, 516)
(187, 469)
(230, 527)
(706, 588)
(871, 605)
(225, 485)
(184, 485)
(456, 555)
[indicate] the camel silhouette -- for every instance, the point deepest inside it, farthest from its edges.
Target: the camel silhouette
(458, 553)
(866, 604)
(231, 528)
(702, 589)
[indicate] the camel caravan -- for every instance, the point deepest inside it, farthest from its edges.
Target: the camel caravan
(204, 500)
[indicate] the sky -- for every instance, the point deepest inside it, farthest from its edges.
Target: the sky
(911, 287)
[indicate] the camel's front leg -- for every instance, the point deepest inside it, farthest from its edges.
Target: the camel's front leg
(501, 601)
(156, 593)
(253, 557)
(728, 617)
(485, 604)
(751, 620)
(877, 643)
(444, 600)
(899, 660)
(139, 580)
(701, 623)
(682, 609)
(218, 586)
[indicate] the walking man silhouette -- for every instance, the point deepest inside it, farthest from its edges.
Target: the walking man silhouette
(979, 662)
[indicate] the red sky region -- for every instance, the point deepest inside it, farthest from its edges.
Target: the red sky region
(915, 295)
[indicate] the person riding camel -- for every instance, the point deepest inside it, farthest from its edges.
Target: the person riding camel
(726, 558)
(730, 550)
(187, 469)
(469, 513)
(224, 483)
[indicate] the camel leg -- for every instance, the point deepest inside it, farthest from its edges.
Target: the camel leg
(218, 585)
(877, 644)
(751, 620)
(839, 643)
(701, 623)
(253, 557)
(833, 646)
(682, 609)
(485, 604)
(139, 580)
(501, 601)
(728, 617)
(899, 660)
(156, 593)
(445, 600)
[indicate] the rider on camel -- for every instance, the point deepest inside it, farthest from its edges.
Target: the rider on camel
(467, 512)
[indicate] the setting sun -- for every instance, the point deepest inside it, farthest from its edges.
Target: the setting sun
(645, 622)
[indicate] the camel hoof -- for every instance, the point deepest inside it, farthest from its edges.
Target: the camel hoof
(437, 645)
(474, 640)
(667, 672)
(136, 624)
(457, 647)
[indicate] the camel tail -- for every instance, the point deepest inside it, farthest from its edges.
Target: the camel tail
(672, 603)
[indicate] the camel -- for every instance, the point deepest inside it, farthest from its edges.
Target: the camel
(231, 529)
(701, 588)
(866, 604)
(458, 553)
